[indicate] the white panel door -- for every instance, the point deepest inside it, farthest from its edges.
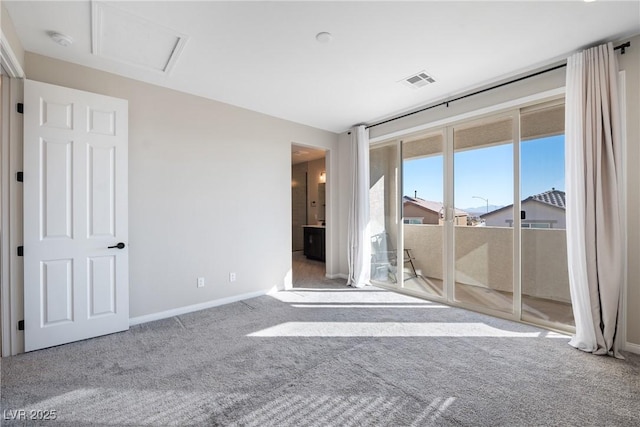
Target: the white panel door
(76, 279)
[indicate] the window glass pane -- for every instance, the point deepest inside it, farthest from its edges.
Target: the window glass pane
(483, 197)
(545, 278)
(423, 180)
(383, 166)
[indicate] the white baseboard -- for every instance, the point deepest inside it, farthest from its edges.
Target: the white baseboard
(195, 307)
(632, 348)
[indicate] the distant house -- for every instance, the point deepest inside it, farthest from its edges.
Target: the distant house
(420, 211)
(544, 210)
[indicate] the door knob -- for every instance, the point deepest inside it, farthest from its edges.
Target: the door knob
(118, 246)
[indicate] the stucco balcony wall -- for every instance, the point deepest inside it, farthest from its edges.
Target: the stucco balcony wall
(484, 258)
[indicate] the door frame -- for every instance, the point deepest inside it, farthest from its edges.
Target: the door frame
(11, 194)
(331, 215)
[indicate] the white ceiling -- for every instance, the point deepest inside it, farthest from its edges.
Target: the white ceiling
(264, 55)
(301, 154)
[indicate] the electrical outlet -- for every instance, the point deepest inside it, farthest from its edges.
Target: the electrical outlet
(201, 282)
(232, 277)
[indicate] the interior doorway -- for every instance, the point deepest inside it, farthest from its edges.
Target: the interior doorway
(308, 213)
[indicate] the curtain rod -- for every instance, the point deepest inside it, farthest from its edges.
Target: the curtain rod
(622, 48)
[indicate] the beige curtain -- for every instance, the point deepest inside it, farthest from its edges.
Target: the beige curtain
(358, 233)
(593, 173)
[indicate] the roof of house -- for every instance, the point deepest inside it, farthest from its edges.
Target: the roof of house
(553, 197)
(436, 207)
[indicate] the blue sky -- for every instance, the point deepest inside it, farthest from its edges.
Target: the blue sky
(488, 173)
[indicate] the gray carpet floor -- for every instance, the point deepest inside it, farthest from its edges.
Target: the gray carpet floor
(325, 356)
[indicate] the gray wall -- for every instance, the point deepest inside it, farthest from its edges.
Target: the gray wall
(344, 199)
(199, 172)
(12, 37)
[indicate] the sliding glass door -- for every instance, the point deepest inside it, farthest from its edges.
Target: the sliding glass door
(483, 197)
(473, 215)
(423, 214)
(545, 279)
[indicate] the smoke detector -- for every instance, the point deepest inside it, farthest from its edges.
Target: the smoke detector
(324, 37)
(418, 80)
(61, 39)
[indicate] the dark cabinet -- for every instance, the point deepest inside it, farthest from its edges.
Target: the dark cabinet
(314, 243)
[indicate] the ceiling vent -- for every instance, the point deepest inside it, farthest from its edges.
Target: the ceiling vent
(418, 80)
(124, 37)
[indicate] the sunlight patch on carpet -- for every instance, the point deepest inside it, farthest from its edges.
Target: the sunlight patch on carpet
(338, 410)
(132, 407)
(392, 329)
(350, 306)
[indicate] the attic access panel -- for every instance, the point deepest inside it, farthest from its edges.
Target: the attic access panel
(130, 39)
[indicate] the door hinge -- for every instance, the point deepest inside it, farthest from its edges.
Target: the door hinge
(523, 214)
(20, 250)
(21, 325)
(20, 108)
(20, 176)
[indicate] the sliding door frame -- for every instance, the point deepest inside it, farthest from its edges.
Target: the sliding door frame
(512, 110)
(517, 219)
(514, 115)
(448, 241)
